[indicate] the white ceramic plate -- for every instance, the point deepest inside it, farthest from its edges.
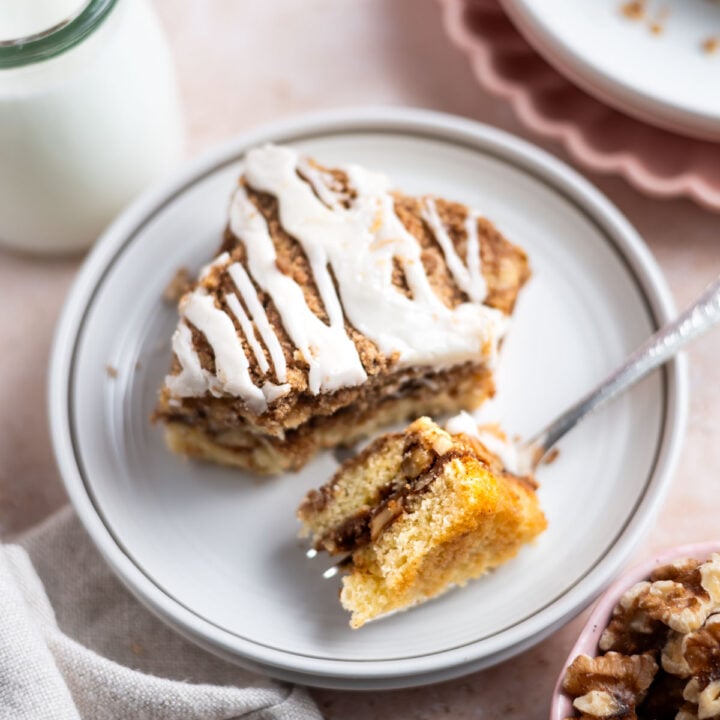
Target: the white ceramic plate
(665, 79)
(213, 551)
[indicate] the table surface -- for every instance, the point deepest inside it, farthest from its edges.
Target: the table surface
(241, 64)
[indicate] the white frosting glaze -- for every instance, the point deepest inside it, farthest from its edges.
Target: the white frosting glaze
(474, 261)
(320, 183)
(351, 253)
(205, 270)
(468, 277)
(247, 328)
(272, 391)
(243, 283)
(508, 452)
(232, 375)
(360, 244)
(192, 378)
(331, 355)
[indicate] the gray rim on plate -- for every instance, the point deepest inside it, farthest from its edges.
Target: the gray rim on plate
(378, 673)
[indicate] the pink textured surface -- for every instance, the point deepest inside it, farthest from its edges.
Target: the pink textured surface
(600, 617)
(655, 161)
(242, 64)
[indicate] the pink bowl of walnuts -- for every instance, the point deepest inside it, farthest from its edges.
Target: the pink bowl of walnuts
(652, 626)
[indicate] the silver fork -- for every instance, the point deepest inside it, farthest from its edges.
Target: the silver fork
(699, 317)
(703, 314)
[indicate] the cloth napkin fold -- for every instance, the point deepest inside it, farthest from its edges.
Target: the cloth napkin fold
(74, 644)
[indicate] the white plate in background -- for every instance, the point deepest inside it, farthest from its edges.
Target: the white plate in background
(213, 551)
(664, 78)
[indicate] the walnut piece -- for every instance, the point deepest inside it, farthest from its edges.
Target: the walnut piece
(687, 712)
(631, 630)
(701, 653)
(703, 699)
(709, 702)
(663, 699)
(710, 574)
(609, 686)
(673, 655)
(702, 649)
(602, 704)
(680, 595)
(683, 594)
(673, 616)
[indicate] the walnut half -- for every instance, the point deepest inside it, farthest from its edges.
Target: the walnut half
(609, 686)
(631, 629)
(701, 652)
(683, 594)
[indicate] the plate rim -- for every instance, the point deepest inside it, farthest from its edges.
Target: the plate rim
(607, 88)
(376, 673)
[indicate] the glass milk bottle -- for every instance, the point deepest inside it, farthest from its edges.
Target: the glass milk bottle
(89, 115)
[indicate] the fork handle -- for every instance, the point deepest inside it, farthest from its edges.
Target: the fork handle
(703, 314)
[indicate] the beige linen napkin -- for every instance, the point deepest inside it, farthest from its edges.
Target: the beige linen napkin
(75, 644)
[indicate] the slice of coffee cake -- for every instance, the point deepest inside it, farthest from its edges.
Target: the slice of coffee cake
(419, 511)
(334, 306)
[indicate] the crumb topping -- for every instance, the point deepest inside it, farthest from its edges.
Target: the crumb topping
(299, 302)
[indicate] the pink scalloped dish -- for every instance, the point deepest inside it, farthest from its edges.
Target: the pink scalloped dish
(657, 162)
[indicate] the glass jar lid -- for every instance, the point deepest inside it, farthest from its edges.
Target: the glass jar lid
(57, 39)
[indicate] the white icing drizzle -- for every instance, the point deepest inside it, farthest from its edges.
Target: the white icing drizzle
(232, 374)
(464, 423)
(352, 248)
(331, 355)
(272, 391)
(247, 328)
(205, 270)
(474, 261)
(507, 451)
(471, 283)
(243, 283)
(320, 183)
(192, 379)
(359, 244)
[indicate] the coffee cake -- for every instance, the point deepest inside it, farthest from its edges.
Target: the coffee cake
(334, 306)
(418, 512)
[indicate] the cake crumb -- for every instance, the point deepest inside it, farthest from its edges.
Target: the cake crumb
(633, 9)
(657, 25)
(551, 457)
(711, 45)
(137, 648)
(111, 371)
(637, 10)
(178, 285)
